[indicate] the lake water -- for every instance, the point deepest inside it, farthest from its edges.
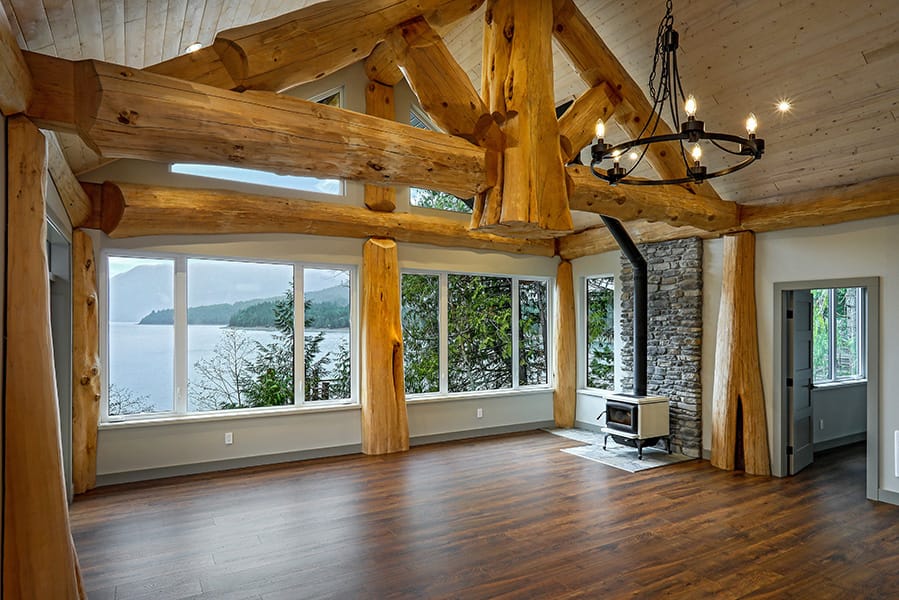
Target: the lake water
(141, 357)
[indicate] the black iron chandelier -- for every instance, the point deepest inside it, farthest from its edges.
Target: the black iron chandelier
(665, 89)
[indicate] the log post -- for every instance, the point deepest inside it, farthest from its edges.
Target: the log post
(739, 426)
(565, 394)
(385, 426)
(39, 557)
(379, 102)
(85, 363)
(518, 80)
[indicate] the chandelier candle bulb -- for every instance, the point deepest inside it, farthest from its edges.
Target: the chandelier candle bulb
(600, 129)
(690, 106)
(696, 153)
(751, 124)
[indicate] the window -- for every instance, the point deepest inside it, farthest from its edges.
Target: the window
(600, 312)
(432, 198)
(837, 335)
(141, 345)
(191, 335)
(333, 187)
(467, 332)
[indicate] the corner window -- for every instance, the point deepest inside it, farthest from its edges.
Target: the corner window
(837, 335)
(470, 332)
(600, 343)
(194, 335)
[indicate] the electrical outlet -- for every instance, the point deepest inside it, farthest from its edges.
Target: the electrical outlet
(896, 449)
(480, 413)
(821, 424)
(229, 438)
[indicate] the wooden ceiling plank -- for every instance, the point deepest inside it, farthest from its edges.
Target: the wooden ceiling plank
(63, 26)
(127, 113)
(135, 32)
(442, 87)
(209, 25)
(193, 19)
(157, 14)
(112, 15)
(174, 19)
(130, 210)
(90, 28)
(33, 22)
(595, 63)
(671, 204)
(15, 78)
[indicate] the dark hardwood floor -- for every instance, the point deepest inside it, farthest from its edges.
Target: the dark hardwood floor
(502, 517)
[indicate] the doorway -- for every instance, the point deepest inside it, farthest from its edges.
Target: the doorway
(59, 259)
(819, 381)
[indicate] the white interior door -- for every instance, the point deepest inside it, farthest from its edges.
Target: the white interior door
(799, 381)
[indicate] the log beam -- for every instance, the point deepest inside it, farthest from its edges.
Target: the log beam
(596, 64)
(133, 114)
(307, 44)
(738, 400)
(85, 363)
(130, 210)
(827, 206)
(381, 65)
(385, 426)
(670, 204)
(15, 79)
(577, 126)
(379, 102)
(443, 88)
(39, 557)
(565, 393)
(74, 199)
(519, 82)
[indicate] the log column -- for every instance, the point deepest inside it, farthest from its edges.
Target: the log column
(379, 102)
(85, 363)
(739, 425)
(531, 196)
(565, 394)
(385, 426)
(39, 557)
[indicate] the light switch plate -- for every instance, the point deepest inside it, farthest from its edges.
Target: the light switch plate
(896, 451)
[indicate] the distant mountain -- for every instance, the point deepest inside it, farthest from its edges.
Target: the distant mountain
(145, 288)
(212, 314)
(337, 294)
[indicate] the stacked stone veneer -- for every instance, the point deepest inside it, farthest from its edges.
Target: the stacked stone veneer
(674, 352)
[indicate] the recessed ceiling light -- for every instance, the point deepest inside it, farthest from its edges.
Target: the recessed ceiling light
(784, 105)
(193, 47)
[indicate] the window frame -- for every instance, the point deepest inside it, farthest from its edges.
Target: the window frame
(585, 321)
(860, 340)
(443, 315)
(180, 353)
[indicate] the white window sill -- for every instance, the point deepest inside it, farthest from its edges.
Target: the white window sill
(481, 395)
(229, 415)
(595, 392)
(839, 384)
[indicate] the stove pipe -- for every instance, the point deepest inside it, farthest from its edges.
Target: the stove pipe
(629, 248)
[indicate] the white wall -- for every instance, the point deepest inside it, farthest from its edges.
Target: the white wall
(839, 412)
(132, 450)
(860, 249)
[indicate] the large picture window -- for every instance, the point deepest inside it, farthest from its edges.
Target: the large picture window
(600, 343)
(470, 332)
(837, 335)
(192, 335)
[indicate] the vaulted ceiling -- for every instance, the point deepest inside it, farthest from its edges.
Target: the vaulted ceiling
(837, 62)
